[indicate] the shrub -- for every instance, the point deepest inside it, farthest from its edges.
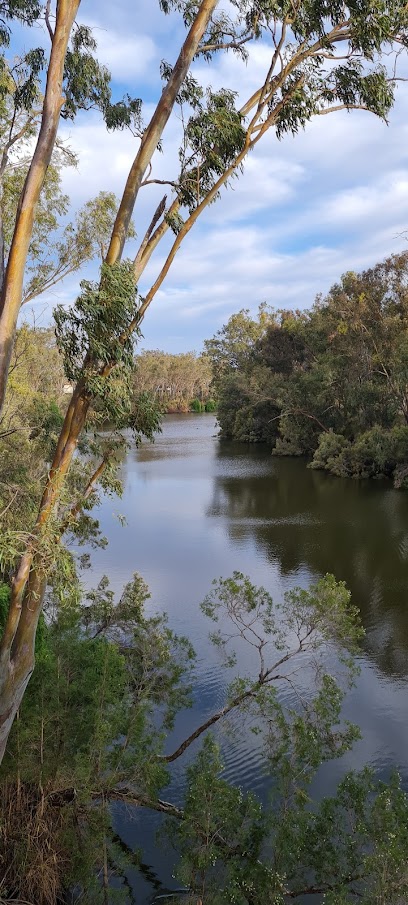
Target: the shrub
(330, 447)
(197, 406)
(375, 453)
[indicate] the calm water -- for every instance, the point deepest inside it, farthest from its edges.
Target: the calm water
(197, 509)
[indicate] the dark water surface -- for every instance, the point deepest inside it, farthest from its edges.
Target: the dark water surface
(197, 509)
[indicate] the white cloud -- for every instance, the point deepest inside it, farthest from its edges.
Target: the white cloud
(307, 208)
(127, 56)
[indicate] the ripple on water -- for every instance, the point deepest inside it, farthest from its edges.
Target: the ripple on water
(197, 508)
(244, 763)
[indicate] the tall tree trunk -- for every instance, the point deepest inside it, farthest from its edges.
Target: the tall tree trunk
(155, 129)
(28, 586)
(29, 583)
(10, 298)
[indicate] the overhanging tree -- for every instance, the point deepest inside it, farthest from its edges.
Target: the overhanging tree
(324, 57)
(92, 731)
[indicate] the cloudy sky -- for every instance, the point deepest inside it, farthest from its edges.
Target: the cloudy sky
(306, 209)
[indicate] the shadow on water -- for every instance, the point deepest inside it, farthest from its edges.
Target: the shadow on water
(304, 519)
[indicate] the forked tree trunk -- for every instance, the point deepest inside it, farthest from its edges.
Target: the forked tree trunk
(28, 586)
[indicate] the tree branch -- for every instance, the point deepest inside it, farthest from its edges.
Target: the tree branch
(151, 242)
(90, 487)
(159, 182)
(47, 20)
(343, 107)
(155, 129)
(128, 796)
(265, 678)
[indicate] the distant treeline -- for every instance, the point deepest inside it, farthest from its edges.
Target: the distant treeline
(330, 383)
(178, 383)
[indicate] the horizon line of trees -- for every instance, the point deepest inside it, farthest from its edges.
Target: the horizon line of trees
(179, 382)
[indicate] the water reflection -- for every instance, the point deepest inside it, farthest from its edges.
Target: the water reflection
(197, 509)
(303, 519)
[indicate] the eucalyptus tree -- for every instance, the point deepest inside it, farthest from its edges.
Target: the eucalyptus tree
(85, 82)
(322, 57)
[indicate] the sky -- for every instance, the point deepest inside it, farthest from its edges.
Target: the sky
(307, 208)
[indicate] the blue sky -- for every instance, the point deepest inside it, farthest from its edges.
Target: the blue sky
(307, 208)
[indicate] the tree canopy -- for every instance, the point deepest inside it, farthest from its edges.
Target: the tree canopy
(328, 383)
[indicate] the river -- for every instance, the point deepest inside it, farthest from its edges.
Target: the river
(196, 509)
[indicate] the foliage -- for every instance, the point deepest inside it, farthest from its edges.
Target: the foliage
(244, 411)
(29, 427)
(346, 848)
(219, 824)
(214, 136)
(330, 383)
(102, 313)
(375, 453)
(56, 250)
(88, 727)
(174, 381)
(108, 684)
(86, 82)
(197, 406)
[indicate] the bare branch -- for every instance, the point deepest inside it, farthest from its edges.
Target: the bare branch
(159, 182)
(234, 44)
(12, 498)
(337, 107)
(47, 20)
(128, 796)
(151, 241)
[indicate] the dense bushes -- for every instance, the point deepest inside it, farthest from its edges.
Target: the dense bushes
(375, 453)
(330, 383)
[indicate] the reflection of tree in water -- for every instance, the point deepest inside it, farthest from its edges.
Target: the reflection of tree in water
(305, 519)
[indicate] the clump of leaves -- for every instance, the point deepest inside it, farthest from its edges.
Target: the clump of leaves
(214, 135)
(98, 322)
